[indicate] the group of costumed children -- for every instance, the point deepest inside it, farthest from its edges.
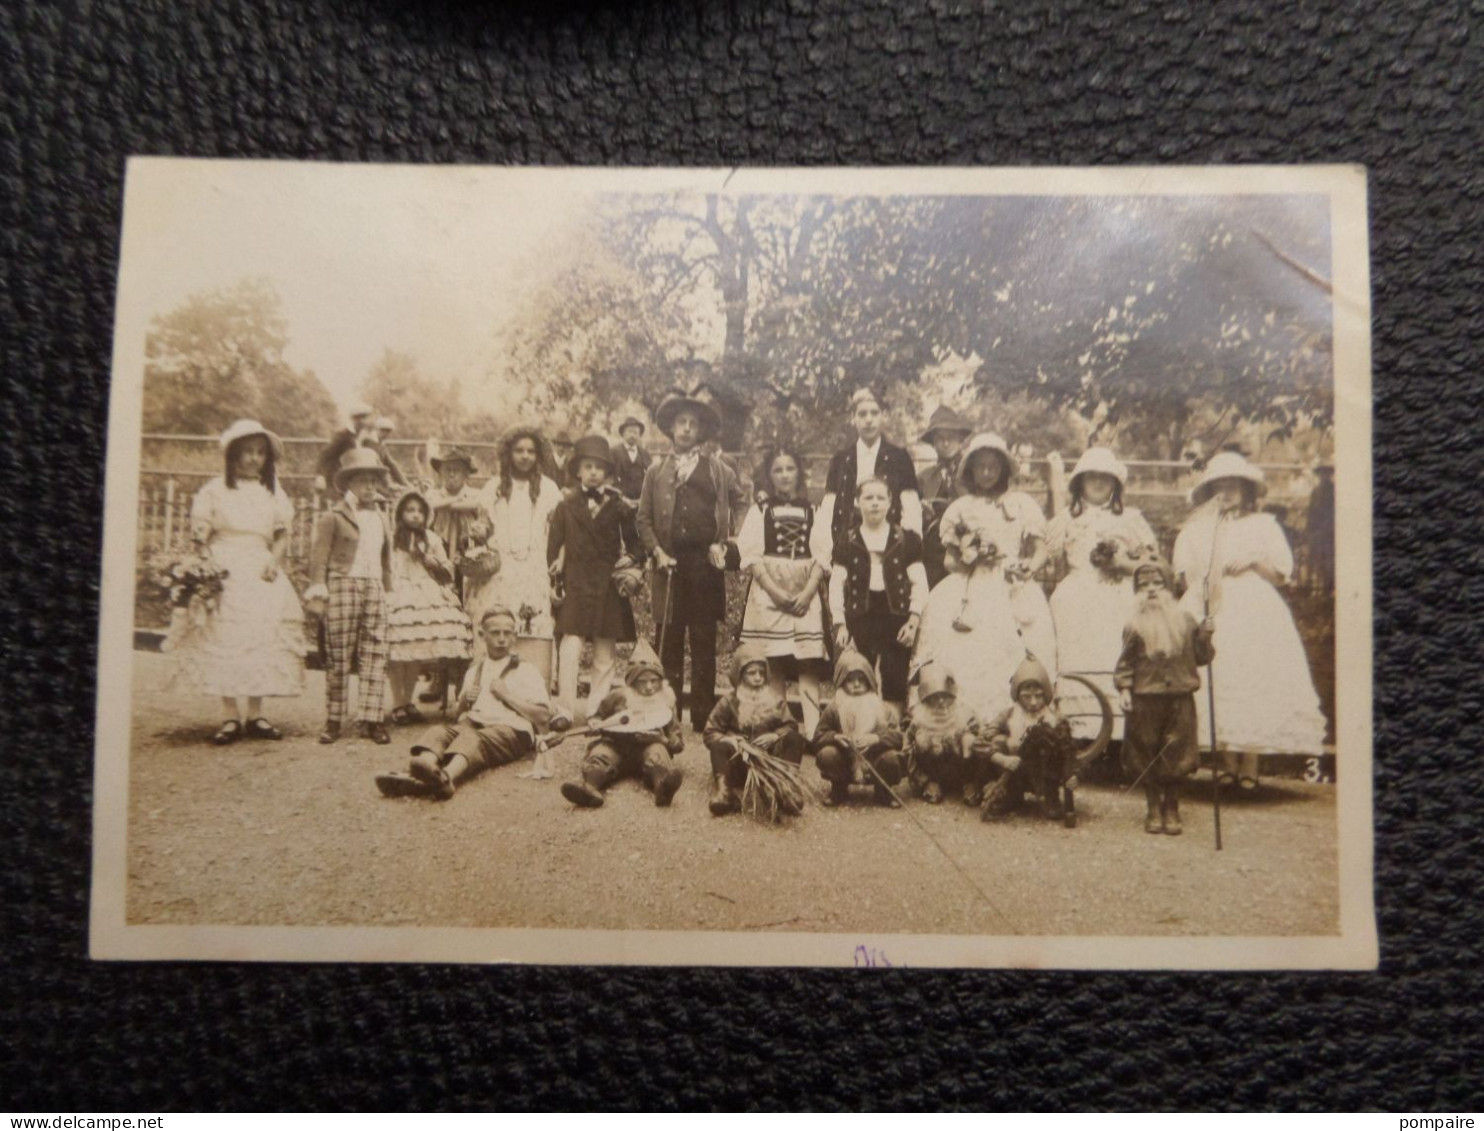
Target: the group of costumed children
(404, 592)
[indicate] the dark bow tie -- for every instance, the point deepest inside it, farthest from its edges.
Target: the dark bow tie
(594, 493)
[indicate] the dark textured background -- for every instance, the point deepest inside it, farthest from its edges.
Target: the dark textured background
(1397, 88)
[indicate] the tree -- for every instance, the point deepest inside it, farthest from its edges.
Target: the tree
(218, 357)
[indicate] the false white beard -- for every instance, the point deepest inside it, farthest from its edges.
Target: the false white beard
(757, 706)
(859, 714)
(933, 733)
(1160, 622)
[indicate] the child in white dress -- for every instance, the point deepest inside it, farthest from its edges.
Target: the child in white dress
(1101, 541)
(252, 644)
(1232, 559)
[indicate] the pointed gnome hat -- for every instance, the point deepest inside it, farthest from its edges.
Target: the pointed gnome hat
(1030, 671)
(853, 663)
(745, 655)
(934, 678)
(643, 659)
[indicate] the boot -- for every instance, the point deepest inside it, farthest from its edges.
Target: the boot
(1154, 821)
(425, 768)
(839, 794)
(724, 798)
(1171, 809)
(666, 782)
(583, 794)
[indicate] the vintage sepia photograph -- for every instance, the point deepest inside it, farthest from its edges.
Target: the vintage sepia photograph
(829, 567)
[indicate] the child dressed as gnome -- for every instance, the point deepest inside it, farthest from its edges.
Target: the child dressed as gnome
(1157, 676)
(501, 706)
(638, 736)
(857, 728)
(1030, 749)
(754, 713)
(350, 572)
(942, 740)
(593, 546)
(689, 506)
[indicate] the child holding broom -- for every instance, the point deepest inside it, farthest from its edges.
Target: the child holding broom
(752, 735)
(638, 736)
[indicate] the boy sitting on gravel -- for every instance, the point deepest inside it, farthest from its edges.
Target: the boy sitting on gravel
(638, 736)
(502, 705)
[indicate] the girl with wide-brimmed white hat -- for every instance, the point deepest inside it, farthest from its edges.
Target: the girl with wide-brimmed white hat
(251, 645)
(989, 613)
(1101, 540)
(1234, 557)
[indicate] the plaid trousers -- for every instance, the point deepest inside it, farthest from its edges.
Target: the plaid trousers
(355, 636)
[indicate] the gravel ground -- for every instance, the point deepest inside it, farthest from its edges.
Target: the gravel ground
(292, 833)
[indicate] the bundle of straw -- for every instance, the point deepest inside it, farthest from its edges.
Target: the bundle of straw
(774, 788)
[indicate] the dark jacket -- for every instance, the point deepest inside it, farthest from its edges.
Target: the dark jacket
(656, 515)
(593, 543)
(336, 535)
(628, 475)
(939, 487)
(829, 732)
(903, 547)
(1179, 674)
(893, 464)
(725, 724)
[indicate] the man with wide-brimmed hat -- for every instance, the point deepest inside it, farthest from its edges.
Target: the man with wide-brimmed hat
(361, 428)
(689, 506)
(561, 468)
(350, 571)
(630, 460)
(456, 504)
(947, 431)
(379, 433)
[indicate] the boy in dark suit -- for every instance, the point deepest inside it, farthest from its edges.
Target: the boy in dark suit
(630, 460)
(688, 509)
(593, 542)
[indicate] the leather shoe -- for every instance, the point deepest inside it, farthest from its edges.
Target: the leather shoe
(376, 733)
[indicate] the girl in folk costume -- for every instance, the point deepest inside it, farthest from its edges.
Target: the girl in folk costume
(784, 615)
(424, 621)
(594, 547)
(877, 590)
(519, 501)
(1233, 557)
(989, 613)
(1101, 541)
(252, 645)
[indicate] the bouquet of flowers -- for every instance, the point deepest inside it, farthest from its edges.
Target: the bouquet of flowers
(974, 545)
(1115, 559)
(527, 617)
(480, 561)
(183, 579)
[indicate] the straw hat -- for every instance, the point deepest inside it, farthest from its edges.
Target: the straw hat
(241, 429)
(1100, 461)
(358, 460)
(1226, 465)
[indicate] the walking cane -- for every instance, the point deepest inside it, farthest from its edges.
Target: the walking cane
(1211, 711)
